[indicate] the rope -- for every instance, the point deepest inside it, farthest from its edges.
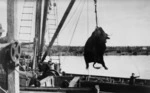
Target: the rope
(95, 2)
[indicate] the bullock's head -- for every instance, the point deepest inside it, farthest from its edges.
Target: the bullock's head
(100, 35)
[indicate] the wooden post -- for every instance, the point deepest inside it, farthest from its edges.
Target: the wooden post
(13, 75)
(46, 3)
(12, 20)
(37, 32)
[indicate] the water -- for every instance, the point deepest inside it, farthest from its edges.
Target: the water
(118, 66)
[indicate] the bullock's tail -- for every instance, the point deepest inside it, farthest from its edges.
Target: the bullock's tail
(95, 66)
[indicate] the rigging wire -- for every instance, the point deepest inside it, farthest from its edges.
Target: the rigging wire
(73, 14)
(69, 20)
(137, 69)
(76, 24)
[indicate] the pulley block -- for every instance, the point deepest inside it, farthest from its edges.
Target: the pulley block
(15, 52)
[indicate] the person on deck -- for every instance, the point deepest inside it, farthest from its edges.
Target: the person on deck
(51, 64)
(132, 79)
(5, 38)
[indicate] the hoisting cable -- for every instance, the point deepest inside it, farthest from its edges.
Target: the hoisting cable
(95, 3)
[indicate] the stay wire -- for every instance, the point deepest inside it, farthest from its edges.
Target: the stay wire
(76, 24)
(137, 69)
(73, 14)
(75, 27)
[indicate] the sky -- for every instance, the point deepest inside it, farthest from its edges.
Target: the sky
(126, 21)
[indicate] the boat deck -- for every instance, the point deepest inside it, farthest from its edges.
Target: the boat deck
(55, 90)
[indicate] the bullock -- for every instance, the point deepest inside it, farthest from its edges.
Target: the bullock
(95, 47)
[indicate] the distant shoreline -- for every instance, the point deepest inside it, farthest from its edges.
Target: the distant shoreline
(79, 50)
(118, 51)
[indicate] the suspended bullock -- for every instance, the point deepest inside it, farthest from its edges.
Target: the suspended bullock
(95, 47)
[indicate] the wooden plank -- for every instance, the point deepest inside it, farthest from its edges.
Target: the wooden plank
(74, 81)
(47, 82)
(39, 92)
(55, 90)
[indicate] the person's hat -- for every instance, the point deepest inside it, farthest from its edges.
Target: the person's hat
(1, 29)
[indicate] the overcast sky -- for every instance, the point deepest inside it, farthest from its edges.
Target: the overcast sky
(126, 21)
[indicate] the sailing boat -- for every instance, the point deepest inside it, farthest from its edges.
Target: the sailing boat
(78, 83)
(109, 84)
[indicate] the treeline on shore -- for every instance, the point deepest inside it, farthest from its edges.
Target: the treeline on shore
(111, 50)
(79, 50)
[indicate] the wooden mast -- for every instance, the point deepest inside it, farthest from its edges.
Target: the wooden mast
(58, 28)
(37, 32)
(46, 3)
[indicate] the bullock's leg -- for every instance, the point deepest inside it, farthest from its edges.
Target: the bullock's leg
(95, 61)
(103, 64)
(86, 62)
(101, 61)
(87, 59)
(87, 65)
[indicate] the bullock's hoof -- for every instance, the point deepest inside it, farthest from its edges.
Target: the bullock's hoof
(106, 68)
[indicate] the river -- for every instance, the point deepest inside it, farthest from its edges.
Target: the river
(118, 66)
